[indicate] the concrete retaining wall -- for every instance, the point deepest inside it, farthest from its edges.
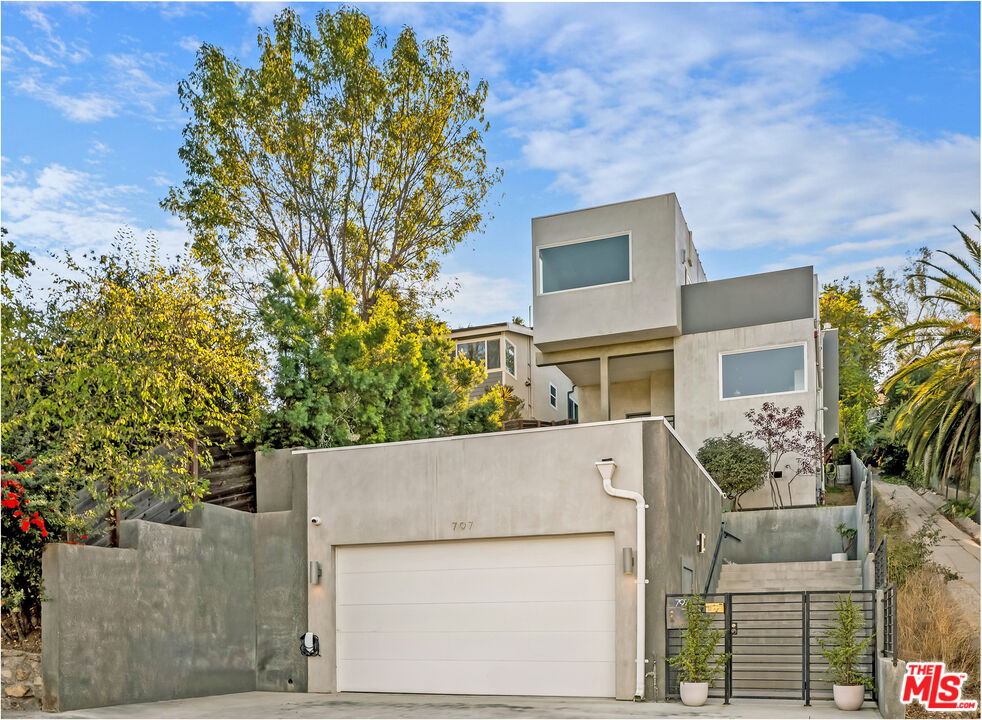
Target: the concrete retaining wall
(215, 607)
(789, 535)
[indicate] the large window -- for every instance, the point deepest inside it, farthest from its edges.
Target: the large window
(584, 264)
(763, 372)
(483, 352)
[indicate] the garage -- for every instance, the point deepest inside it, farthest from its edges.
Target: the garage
(509, 616)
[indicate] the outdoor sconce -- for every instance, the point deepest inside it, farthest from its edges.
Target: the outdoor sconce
(701, 543)
(314, 572)
(627, 560)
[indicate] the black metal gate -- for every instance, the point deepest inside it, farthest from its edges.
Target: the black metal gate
(773, 641)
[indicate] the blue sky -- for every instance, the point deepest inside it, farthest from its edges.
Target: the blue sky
(838, 135)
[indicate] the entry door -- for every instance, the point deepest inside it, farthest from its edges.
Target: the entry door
(511, 616)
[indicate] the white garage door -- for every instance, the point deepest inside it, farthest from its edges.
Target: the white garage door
(516, 616)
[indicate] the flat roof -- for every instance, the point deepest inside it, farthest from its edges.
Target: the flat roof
(499, 327)
(610, 204)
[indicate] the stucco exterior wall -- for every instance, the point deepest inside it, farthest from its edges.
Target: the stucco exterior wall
(514, 484)
(682, 503)
(646, 307)
(700, 412)
(787, 535)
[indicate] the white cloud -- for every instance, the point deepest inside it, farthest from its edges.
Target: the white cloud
(262, 13)
(59, 209)
(481, 299)
(729, 107)
(189, 43)
(88, 107)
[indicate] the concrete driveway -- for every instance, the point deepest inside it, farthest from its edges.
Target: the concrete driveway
(370, 705)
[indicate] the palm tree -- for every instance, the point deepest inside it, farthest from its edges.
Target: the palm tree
(939, 418)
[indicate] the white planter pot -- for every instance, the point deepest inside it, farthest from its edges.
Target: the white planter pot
(694, 694)
(840, 557)
(848, 697)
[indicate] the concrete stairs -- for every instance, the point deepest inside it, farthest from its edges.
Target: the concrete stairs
(791, 577)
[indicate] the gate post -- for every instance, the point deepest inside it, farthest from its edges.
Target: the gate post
(806, 690)
(728, 648)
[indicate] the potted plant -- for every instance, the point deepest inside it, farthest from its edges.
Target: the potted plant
(697, 661)
(847, 537)
(843, 646)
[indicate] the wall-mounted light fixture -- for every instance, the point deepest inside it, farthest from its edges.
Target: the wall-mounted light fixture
(627, 560)
(701, 543)
(314, 572)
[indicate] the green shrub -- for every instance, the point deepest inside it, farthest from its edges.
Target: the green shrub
(697, 661)
(844, 644)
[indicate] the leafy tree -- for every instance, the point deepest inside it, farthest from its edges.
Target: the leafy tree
(940, 418)
(737, 466)
(697, 660)
(151, 359)
(352, 168)
(341, 380)
(845, 642)
(860, 358)
(781, 432)
(511, 404)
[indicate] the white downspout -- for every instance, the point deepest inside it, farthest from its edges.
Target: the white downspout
(606, 468)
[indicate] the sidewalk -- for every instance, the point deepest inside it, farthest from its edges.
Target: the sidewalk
(957, 550)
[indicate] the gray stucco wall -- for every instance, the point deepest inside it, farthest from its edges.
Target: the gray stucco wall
(681, 504)
(830, 382)
(748, 300)
(788, 535)
(281, 570)
(172, 615)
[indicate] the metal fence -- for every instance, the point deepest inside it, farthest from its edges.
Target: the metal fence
(773, 638)
(890, 622)
(880, 564)
(872, 529)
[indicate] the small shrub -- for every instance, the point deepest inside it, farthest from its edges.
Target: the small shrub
(844, 644)
(957, 507)
(697, 661)
(737, 466)
(907, 556)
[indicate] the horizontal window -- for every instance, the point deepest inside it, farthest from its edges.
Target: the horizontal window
(763, 372)
(584, 264)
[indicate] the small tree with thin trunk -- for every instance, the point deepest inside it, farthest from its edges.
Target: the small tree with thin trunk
(781, 433)
(737, 466)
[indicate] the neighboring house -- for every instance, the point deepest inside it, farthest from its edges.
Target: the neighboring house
(507, 351)
(624, 309)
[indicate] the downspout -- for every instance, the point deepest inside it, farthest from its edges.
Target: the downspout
(606, 469)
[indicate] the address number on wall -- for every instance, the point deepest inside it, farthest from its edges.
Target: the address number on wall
(462, 525)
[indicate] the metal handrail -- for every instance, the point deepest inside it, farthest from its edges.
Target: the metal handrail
(719, 542)
(880, 564)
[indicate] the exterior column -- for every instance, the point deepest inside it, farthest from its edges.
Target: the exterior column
(604, 389)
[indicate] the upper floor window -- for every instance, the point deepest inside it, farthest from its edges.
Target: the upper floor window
(553, 395)
(510, 358)
(763, 372)
(585, 263)
(483, 352)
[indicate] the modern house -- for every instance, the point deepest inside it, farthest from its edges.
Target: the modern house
(623, 307)
(508, 353)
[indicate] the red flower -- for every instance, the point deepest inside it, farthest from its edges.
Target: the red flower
(44, 533)
(20, 468)
(18, 513)
(28, 461)
(25, 524)
(9, 502)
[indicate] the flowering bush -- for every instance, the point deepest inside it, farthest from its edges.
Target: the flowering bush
(30, 517)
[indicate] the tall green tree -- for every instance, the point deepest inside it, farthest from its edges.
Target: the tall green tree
(150, 360)
(341, 380)
(350, 162)
(860, 358)
(939, 419)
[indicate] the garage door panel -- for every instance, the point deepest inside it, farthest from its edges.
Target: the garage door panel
(523, 584)
(479, 617)
(494, 646)
(586, 679)
(467, 554)
(512, 616)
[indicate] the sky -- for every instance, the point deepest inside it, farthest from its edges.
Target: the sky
(842, 136)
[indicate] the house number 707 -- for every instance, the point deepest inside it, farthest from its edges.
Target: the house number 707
(462, 525)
